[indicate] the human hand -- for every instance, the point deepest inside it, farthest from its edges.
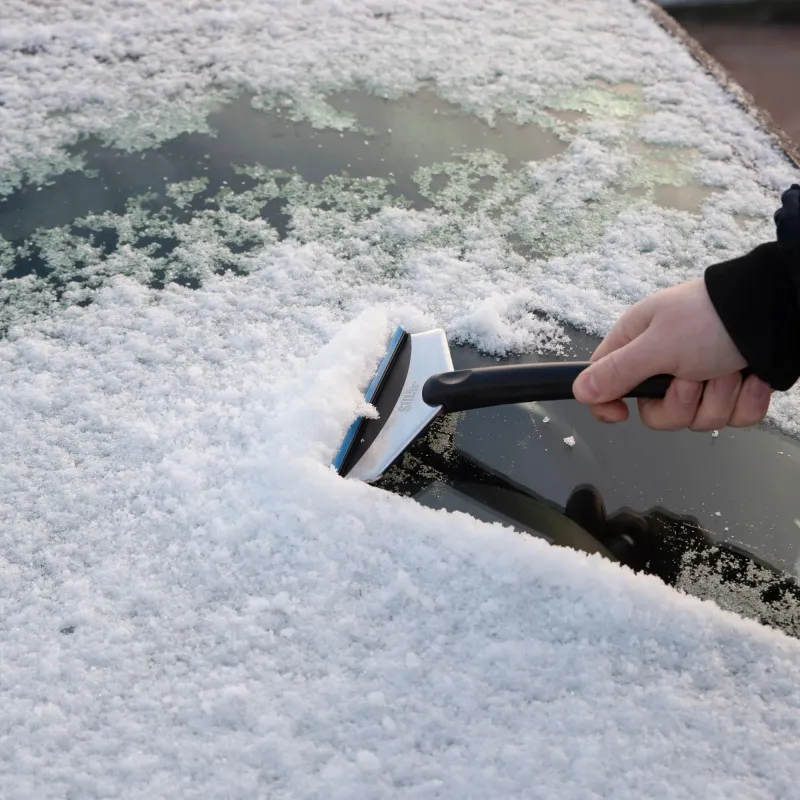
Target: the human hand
(676, 332)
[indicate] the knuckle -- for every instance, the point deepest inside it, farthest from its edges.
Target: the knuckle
(749, 412)
(597, 413)
(671, 415)
(707, 425)
(705, 422)
(666, 425)
(658, 418)
(718, 404)
(610, 375)
(682, 417)
(747, 419)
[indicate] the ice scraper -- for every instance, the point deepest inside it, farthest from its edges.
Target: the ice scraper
(415, 382)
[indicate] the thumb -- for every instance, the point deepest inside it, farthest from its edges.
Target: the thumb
(614, 375)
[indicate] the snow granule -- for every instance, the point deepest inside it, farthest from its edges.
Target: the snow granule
(569, 441)
(369, 762)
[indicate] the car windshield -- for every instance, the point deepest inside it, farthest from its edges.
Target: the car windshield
(213, 217)
(206, 203)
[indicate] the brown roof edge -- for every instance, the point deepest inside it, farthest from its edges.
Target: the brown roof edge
(742, 98)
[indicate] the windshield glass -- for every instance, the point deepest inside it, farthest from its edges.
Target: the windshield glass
(543, 223)
(214, 214)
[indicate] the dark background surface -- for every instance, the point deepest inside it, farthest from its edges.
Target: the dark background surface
(758, 43)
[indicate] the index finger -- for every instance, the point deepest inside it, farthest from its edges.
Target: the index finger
(632, 324)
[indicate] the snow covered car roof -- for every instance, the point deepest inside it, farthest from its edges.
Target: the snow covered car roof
(211, 216)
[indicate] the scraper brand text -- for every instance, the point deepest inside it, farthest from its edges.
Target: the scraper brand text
(407, 399)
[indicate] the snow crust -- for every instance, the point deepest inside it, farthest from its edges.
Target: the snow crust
(194, 605)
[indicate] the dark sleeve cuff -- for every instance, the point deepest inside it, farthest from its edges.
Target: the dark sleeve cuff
(756, 299)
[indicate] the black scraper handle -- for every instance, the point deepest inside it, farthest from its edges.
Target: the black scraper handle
(483, 387)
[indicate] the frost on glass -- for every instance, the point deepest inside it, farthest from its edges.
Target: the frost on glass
(574, 234)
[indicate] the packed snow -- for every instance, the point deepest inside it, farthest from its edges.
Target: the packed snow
(194, 604)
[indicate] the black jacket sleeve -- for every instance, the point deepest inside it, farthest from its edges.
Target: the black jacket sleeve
(757, 298)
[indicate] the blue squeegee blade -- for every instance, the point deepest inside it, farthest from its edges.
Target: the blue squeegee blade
(369, 395)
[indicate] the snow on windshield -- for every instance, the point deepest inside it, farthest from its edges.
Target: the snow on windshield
(194, 604)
